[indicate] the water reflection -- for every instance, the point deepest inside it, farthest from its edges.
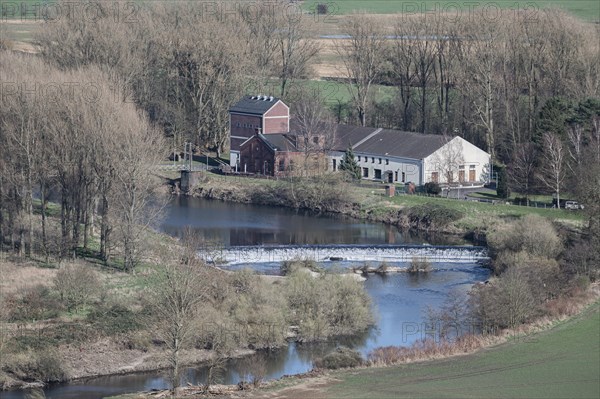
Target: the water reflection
(399, 300)
(242, 224)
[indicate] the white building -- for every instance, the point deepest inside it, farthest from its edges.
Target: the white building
(400, 157)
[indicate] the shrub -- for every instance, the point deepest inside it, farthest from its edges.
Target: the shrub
(116, 319)
(432, 216)
(432, 188)
(386, 355)
(340, 358)
(325, 306)
(322, 8)
(291, 266)
(532, 234)
(33, 303)
(383, 268)
(419, 264)
(44, 366)
(77, 285)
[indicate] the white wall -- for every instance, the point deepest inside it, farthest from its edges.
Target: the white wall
(234, 156)
(456, 153)
(410, 167)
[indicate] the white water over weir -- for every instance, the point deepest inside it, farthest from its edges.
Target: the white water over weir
(388, 253)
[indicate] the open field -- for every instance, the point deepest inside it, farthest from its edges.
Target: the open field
(563, 362)
(586, 9)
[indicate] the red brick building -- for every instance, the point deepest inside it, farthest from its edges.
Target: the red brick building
(272, 154)
(255, 115)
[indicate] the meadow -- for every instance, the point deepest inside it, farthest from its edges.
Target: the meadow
(586, 9)
(561, 362)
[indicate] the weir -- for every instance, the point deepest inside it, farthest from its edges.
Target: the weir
(323, 253)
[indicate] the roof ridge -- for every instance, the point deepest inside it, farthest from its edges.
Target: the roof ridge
(375, 133)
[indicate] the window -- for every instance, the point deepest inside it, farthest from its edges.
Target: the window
(372, 159)
(472, 167)
(379, 161)
(358, 158)
(387, 161)
(435, 177)
(334, 165)
(396, 176)
(238, 124)
(365, 172)
(315, 140)
(403, 177)
(282, 165)
(378, 174)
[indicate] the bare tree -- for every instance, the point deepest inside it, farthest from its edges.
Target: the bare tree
(522, 169)
(449, 159)
(480, 58)
(362, 55)
(296, 50)
(176, 292)
(314, 130)
(552, 173)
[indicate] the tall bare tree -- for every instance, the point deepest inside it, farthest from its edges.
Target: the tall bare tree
(552, 173)
(362, 55)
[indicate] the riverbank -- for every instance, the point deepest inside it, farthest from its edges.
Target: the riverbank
(555, 359)
(367, 201)
(560, 356)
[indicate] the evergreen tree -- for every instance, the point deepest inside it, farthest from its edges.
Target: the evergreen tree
(349, 165)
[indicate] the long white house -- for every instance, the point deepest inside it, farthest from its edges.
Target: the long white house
(400, 157)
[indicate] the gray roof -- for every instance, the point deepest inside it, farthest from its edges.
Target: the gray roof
(402, 144)
(279, 142)
(348, 135)
(256, 105)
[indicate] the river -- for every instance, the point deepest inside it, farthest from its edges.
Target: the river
(399, 300)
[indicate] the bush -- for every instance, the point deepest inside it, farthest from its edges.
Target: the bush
(291, 266)
(532, 234)
(44, 366)
(325, 306)
(387, 355)
(322, 9)
(383, 268)
(432, 216)
(340, 358)
(502, 189)
(33, 303)
(77, 285)
(419, 264)
(116, 319)
(432, 188)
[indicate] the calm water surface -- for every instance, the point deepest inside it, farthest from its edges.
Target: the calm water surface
(399, 300)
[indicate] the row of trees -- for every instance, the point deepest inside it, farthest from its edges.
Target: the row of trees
(185, 66)
(488, 79)
(68, 137)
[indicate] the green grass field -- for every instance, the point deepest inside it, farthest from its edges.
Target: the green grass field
(563, 362)
(586, 9)
(476, 213)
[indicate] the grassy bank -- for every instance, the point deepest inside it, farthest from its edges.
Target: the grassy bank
(561, 362)
(367, 201)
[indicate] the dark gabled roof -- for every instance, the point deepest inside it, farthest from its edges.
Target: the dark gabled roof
(279, 142)
(402, 144)
(255, 105)
(348, 135)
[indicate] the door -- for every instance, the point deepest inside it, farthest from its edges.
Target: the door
(472, 175)
(461, 176)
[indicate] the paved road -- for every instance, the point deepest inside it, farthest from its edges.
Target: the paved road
(461, 193)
